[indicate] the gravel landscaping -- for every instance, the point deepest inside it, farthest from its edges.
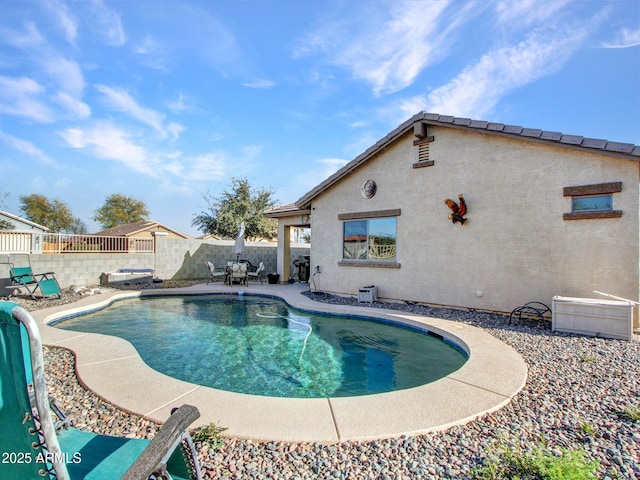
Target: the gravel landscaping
(581, 393)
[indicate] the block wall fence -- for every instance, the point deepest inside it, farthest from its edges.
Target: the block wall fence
(174, 259)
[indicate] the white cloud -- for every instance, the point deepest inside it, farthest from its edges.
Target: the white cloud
(20, 97)
(520, 13)
(175, 129)
(112, 143)
(120, 100)
(153, 54)
(24, 40)
(77, 108)
(67, 21)
(261, 84)
(304, 181)
(331, 166)
(388, 49)
(12, 86)
(66, 73)
(26, 147)
(109, 23)
(178, 105)
(63, 183)
(108, 141)
(208, 167)
(475, 91)
(408, 107)
(147, 46)
(626, 38)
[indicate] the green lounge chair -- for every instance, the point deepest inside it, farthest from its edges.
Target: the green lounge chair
(23, 277)
(30, 445)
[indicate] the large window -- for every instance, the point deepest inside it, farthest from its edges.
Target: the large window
(371, 239)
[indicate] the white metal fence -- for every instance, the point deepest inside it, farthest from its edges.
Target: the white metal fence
(16, 242)
(12, 241)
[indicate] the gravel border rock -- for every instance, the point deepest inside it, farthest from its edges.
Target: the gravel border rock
(575, 396)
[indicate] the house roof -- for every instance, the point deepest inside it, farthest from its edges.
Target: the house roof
(575, 142)
(22, 220)
(286, 211)
(130, 229)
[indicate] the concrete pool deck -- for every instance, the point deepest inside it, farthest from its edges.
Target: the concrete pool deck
(111, 367)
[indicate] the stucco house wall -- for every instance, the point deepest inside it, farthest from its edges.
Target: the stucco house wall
(515, 246)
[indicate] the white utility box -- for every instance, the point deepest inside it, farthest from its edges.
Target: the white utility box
(591, 316)
(368, 294)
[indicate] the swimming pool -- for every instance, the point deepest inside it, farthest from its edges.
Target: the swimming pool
(259, 345)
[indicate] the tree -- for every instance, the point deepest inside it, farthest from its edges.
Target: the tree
(4, 224)
(119, 209)
(243, 204)
(79, 227)
(55, 215)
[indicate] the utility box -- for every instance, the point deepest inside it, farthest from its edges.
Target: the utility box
(590, 316)
(368, 294)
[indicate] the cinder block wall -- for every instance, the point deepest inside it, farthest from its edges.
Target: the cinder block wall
(80, 269)
(175, 258)
(186, 259)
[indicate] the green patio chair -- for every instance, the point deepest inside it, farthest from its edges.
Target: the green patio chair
(32, 447)
(23, 277)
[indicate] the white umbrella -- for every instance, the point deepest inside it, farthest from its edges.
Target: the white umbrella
(238, 247)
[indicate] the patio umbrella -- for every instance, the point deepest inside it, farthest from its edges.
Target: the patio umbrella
(238, 247)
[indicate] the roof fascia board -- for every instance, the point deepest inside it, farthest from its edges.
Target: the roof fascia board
(289, 213)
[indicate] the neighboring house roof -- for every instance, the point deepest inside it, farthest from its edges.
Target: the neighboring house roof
(15, 218)
(209, 236)
(615, 149)
(131, 229)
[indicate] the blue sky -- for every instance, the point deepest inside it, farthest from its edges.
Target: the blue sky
(166, 100)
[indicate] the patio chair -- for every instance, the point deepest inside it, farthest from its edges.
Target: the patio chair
(257, 274)
(213, 273)
(35, 448)
(238, 273)
(24, 277)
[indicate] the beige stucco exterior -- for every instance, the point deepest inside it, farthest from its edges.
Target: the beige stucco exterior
(515, 246)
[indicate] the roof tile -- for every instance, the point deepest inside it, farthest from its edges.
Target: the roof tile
(531, 132)
(461, 121)
(446, 119)
(478, 124)
(594, 143)
(619, 147)
(512, 129)
(547, 135)
(571, 139)
(431, 116)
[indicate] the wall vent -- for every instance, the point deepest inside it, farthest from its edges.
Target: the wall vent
(423, 159)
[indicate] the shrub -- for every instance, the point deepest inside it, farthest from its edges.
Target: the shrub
(514, 463)
(210, 434)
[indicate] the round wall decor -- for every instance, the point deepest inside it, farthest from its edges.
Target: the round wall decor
(369, 189)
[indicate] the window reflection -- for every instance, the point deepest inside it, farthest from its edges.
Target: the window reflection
(373, 239)
(591, 204)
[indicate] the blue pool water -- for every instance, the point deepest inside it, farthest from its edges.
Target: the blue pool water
(259, 345)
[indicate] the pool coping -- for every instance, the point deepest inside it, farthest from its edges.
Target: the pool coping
(111, 367)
